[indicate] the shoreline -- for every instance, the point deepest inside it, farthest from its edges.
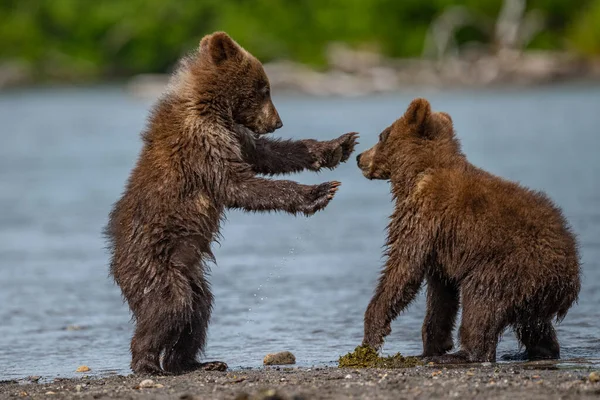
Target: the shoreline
(353, 73)
(542, 380)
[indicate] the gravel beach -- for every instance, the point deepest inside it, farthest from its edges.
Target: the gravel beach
(499, 381)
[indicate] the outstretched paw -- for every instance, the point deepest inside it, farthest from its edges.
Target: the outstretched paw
(347, 143)
(337, 150)
(320, 196)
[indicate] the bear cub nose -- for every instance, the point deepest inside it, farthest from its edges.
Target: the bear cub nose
(358, 159)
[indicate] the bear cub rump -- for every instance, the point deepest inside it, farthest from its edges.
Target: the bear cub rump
(504, 251)
(203, 151)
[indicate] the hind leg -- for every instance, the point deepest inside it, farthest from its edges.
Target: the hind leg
(539, 339)
(482, 323)
(149, 339)
(442, 307)
(161, 319)
(182, 356)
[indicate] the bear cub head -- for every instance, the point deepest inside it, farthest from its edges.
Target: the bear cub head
(234, 77)
(417, 135)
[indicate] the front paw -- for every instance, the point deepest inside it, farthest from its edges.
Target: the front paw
(319, 196)
(373, 341)
(331, 153)
(374, 337)
(347, 143)
(459, 357)
(340, 150)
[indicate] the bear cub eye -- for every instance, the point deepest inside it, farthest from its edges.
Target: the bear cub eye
(266, 91)
(384, 135)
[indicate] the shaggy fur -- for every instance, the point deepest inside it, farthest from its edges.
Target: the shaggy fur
(506, 252)
(201, 152)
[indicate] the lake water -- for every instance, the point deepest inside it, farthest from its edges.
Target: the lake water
(281, 283)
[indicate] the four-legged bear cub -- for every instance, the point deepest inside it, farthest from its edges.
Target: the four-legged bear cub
(502, 251)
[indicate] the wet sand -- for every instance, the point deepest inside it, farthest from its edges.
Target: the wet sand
(499, 381)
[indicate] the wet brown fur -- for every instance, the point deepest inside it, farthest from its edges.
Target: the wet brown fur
(201, 153)
(503, 251)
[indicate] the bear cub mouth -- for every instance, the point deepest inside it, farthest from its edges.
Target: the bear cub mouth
(243, 129)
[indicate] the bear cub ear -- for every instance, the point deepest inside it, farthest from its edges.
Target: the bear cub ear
(418, 113)
(220, 47)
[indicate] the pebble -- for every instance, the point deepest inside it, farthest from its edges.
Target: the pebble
(383, 378)
(594, 377)
(281, 358)
(78, 388)
(83, 368)
(147, 383)
(348, 376)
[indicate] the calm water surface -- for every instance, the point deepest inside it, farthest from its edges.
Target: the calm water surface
(281, 283)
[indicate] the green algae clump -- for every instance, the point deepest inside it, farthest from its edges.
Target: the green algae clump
(367, 357)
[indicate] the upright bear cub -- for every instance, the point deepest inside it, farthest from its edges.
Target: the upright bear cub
(202, 151)
(504, 251)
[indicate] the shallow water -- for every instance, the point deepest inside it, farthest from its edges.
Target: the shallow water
(281, 283)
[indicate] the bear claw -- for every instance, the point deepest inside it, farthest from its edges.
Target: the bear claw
(348, 142)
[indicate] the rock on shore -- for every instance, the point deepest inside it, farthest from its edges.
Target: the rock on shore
(281, 358)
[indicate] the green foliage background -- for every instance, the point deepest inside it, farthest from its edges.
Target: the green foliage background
(111, 38)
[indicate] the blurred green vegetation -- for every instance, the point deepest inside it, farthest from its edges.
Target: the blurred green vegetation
(111, 38)
(585, 34)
